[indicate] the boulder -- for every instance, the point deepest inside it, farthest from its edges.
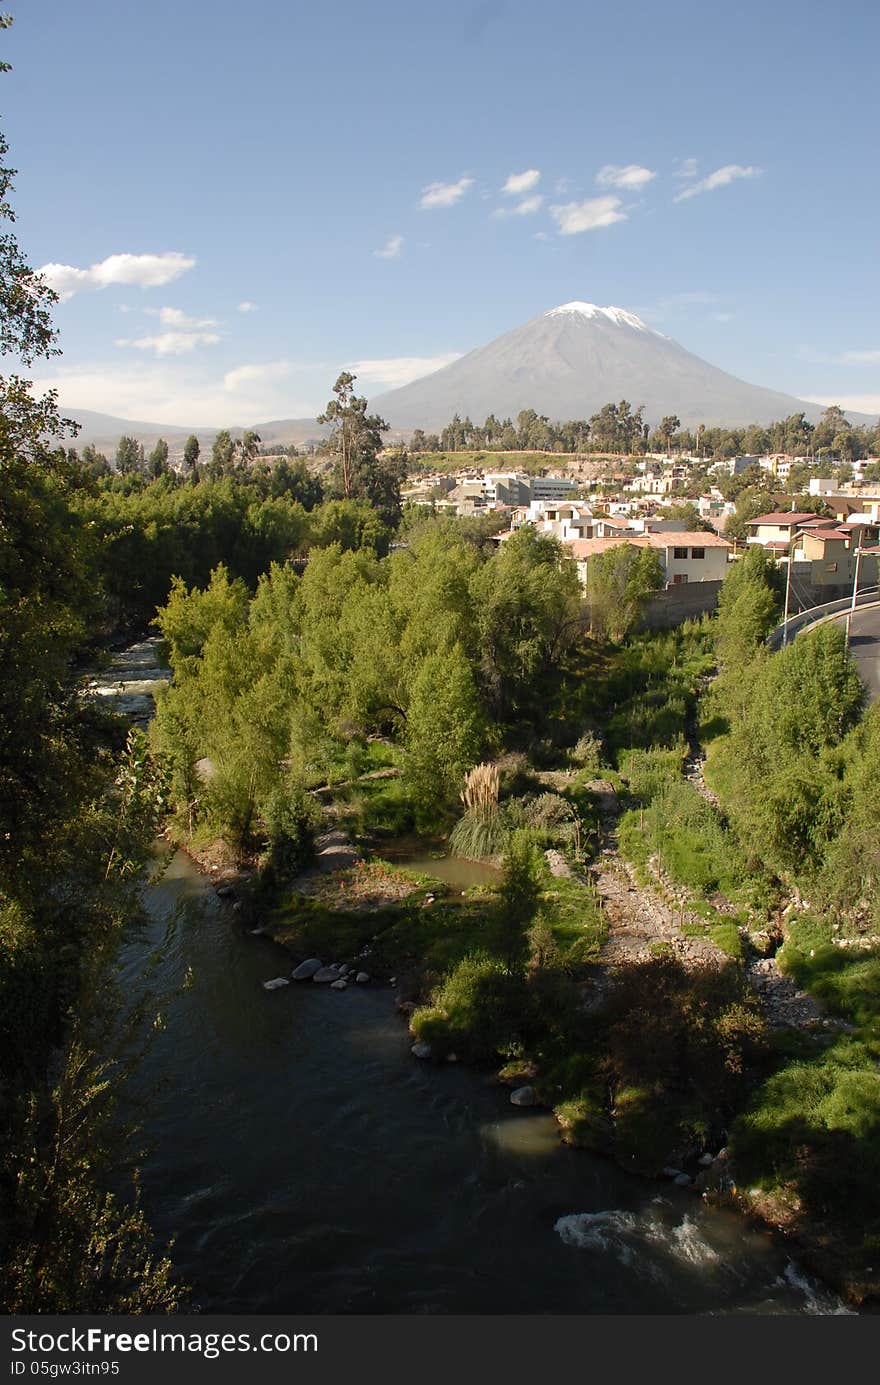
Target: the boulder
(339, 985)
(523, 1096)
(421, 1050)
(344, 969)
(683, 1180)
(306, 970)
(705, 1160)
(276, 983)
(326, 974)
(362, 978)
(670, 1172)
(224, 891)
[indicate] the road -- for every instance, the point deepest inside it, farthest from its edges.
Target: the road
(864, 646)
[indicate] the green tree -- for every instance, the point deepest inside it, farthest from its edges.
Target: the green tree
(191, 451)
(444, 733)
(667, 428)
(529, 609)
(222, 455)
(748, 607)
(248, 446)
(129, 455)
(356, 439)
(518, 900)
(619, 584)
(158, 459)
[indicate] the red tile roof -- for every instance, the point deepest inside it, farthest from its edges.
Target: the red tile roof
(826, 535)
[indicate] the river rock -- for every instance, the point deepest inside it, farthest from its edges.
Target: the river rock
(224, 891)
(392, 981)
(421, 1050)
(705, 1160)
(339, 985)
(682, 1181)
(306, 970)
(276, 983)
(326, 974)
(344, 969)
(362, 978)
(670, 1172)
(522, 1096)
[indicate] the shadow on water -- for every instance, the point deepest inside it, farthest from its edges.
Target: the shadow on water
(303, 1160)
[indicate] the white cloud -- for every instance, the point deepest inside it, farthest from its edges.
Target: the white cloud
(444, 194)
(518, 183)
(248, 374)
(173, 343)
(177, 319)
(631, 176)
(850, 403)
(175, 393)
(149, 271)
(391, 249)
(719, 179)
(247, 307)
(524, 208)
(860, 358)
(541, 235)
(574, 217)
(400, 370)
(686, 169)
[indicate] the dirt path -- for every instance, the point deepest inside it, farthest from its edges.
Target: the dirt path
(639, 919)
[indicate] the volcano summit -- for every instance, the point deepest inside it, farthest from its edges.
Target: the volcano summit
(573, 359)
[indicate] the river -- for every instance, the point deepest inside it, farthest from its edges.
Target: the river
(304, 1161)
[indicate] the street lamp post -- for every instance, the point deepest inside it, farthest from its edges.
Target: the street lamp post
(855, 589)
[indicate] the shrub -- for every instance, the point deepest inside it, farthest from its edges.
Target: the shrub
(651, 771)
(474, 1011)
(587, 753)
(291, 818)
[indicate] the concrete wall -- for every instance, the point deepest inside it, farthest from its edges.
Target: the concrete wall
(675, 605)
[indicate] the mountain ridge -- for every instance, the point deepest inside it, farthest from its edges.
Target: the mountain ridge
(565, 363)
(569, 361)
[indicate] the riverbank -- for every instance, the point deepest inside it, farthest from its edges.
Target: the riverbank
(350, 1178)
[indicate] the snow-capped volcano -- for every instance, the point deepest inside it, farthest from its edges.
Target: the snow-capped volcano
(589, 310)
(571, 360)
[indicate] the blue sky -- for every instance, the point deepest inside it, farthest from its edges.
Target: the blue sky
(239, 201)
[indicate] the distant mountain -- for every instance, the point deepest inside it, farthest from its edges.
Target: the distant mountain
(103, 431)
(565, 364)
(573, 359)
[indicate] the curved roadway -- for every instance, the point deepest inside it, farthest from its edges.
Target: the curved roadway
(864, 646)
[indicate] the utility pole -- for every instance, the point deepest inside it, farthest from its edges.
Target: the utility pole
(788, 587)
(855, 588)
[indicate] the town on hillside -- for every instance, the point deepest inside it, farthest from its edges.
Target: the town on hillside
(697, 517)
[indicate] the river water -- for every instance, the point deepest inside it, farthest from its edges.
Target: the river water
(304, 1161)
